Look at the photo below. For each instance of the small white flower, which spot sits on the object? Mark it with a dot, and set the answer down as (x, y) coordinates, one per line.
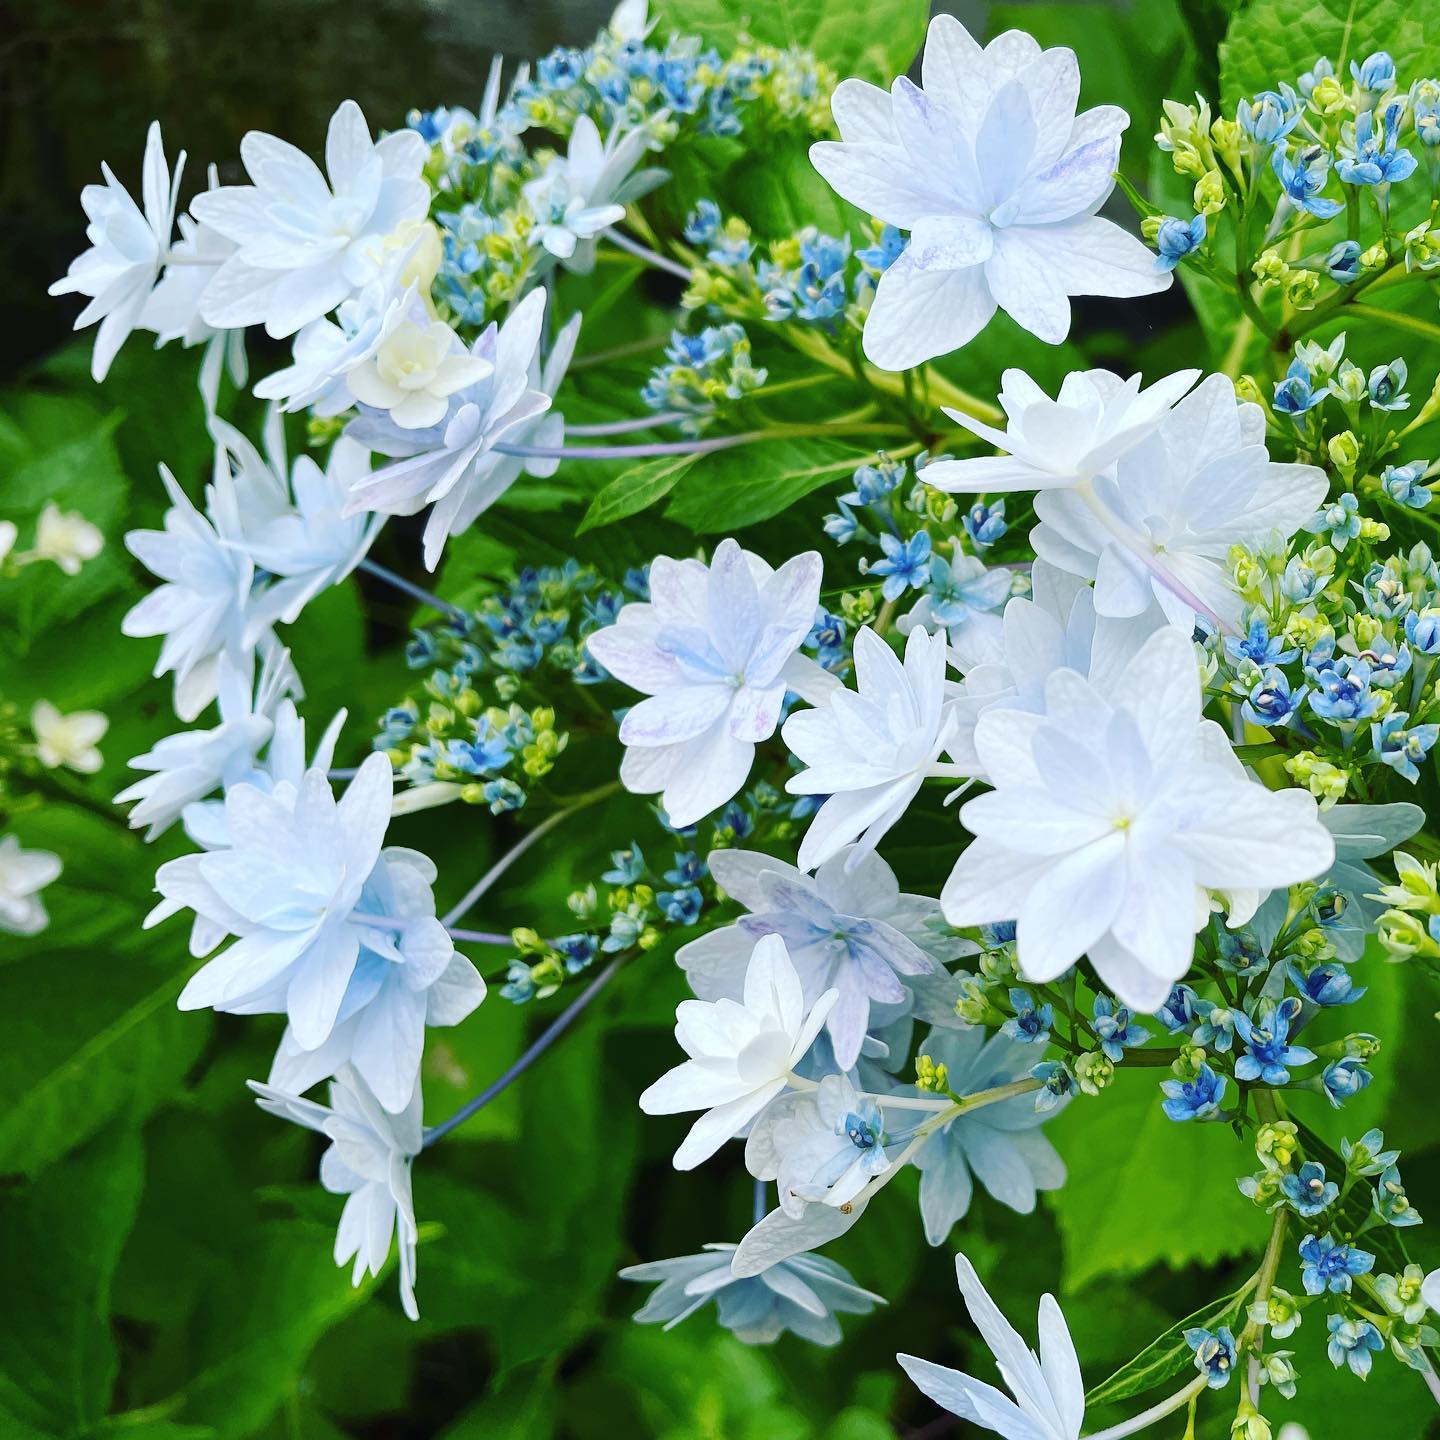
(1049, 1393)
(578, 195)
(821, 1147)
(1112, 816)
(871, 749)
(127, 248)
(203, 608)
(740, 1053)
(452, 466)
(23, 873)
(185, 768)
(630, 20)
(852, 931)
(369, 1161)
(714, 650)
(1051, 444)
(305, 243)
(70, 741)
(415, 370)
(311, 543)
(65, 538)
(998, 182)
(1160, 526)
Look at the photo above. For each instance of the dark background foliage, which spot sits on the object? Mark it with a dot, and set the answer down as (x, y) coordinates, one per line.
(164, 1250)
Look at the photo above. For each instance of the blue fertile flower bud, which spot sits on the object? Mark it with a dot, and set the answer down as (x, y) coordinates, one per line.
(1176, 239)
(1375, 73)
(1342, 264)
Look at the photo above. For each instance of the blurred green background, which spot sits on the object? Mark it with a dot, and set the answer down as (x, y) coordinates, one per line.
(165, 1267)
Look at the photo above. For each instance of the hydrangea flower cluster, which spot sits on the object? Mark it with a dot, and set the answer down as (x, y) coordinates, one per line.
(1156, 649)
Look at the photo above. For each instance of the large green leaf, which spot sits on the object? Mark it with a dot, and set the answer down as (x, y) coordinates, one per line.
(1163, 1193)
(637, 489)
(1270, 41)
(1168, 1354)
(876, 46)
(60, 1238)
(731, 489)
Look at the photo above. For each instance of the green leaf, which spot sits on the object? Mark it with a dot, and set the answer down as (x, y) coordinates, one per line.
(1119, 1218)
(637, 489)
(734, 488)
(1270, 41)
(60, 1239)
(1168, 1354)
(90, 1034)
(878, 46)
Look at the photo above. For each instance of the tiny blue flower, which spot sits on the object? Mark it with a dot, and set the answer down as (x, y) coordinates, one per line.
(1115, 1030)
(1351, 1343)
(1297, 393)
(1259, 645)
(1342, 691)
(1375, 73)
(1404, 483)
(1271, 702)
(702, 225)
(1325, 985)
(1216, 1030)
(906, 564)
(1368, 1155)
(1269, 116)
(1030, 1023)
(1057, 1084)
(1179, 1012)
(1308, 1191)
(578, 950)
(872, 483)
(681, 906)
(842, 527)
(1391, 1203)
(1194, 1099)
(1002, 932)
(1266, 1037)
(985, 524)
(1422, 630)
(687, 869)
(1386, 386)
(1344, 1078)
(1339, 521)
(885, 252)
(1214, 1354)
(1342, 264)
(1302, 177)
(1372, 154)
(1176, 239)
(626, 866)
(1326, 1264)
(1400, 748)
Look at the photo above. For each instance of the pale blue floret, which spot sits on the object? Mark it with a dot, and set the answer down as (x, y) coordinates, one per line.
(1269, 116)
(803, 1294)
(1196, 1099)
(1030, 1022)
(1214, 1354)
(1325, 985)
(1297, 393)
(1392, 1205)
(1266, 1037)
(1386, 386)
(1343, 1079)
(1302, 177)
(1272, 702)
(1400, 748)
(906, 564)
(1326, 1264)
(1115, 1029)
(1375, 73)
(1405, 484)
(1176, 239)
(1308, 1191)
(985, 524)
(1342, 264)
(1351, 1343)
(1373, 154)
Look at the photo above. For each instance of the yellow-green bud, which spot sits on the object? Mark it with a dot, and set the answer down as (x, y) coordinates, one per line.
(1277, 1143)
(1209, 194)
(1094, 1070)
(1344, 451)
(1329, 96)
(1302, 289)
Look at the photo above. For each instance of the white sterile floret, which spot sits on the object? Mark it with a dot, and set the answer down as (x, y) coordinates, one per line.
(997, 179)
(451, 465)
(204, 607)
(850, 930)
(741, 1053)
(185, 768)
(1112, 816)
(332, 931)
(871, 749)
(416, 368)
(128, 247)
(1051, 444)
(305, 242)
(1049, 1394)
(715, 649)
(23, 874)
(579, 194)
(66, 539)
(1159, 528)
(368, 1161)
(68, 741)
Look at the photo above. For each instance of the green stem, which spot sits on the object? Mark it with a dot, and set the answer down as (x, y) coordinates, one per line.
(1401, 321)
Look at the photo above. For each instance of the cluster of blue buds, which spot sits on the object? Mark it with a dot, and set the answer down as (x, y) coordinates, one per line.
(484, 717)
(810, 278)
(703, 373)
